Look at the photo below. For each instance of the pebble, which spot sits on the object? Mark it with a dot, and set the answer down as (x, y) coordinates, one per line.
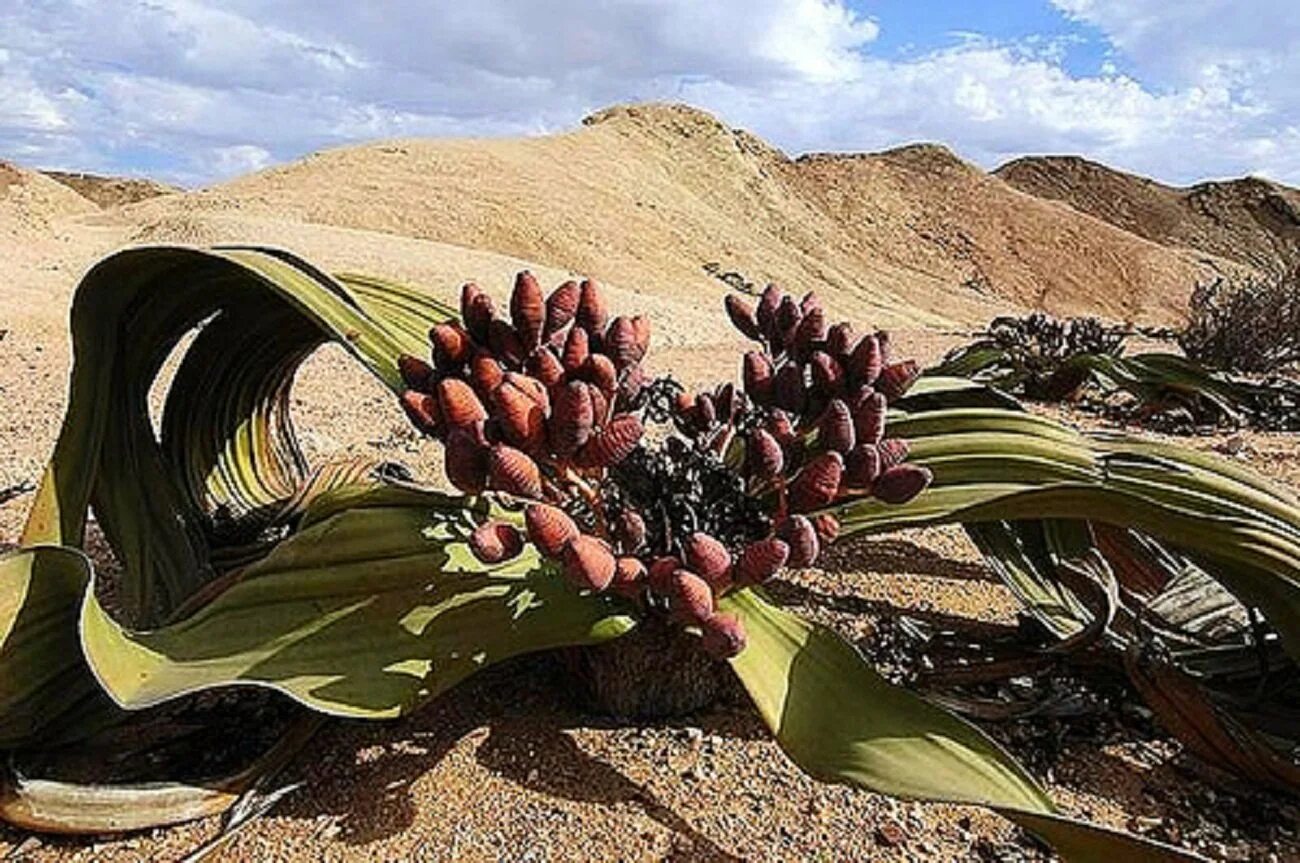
(890, 835)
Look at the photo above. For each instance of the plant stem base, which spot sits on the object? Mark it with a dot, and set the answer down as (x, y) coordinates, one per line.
(655, 672)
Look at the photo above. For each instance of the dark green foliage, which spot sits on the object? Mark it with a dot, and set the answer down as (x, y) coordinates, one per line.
(1253, 326)
(1082, 360)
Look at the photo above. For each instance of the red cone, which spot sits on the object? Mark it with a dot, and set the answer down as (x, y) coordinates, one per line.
(610, 445)
(895, 380)
(495, 541)
(708, 557)
(416, 373)
(761, 560)
(742, 317)
(901, 483)
(799, 534)
(459, 406)
(818, 484)
(549, 528)
(724, 636)
(588, 563)
(512, 471)
(835, 430)
(528, 310)
(561, 306)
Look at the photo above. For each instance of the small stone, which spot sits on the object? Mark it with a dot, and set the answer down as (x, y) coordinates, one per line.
(890, 835)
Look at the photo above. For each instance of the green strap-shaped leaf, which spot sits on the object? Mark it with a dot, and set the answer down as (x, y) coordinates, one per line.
(174, 511)
(860, 728)
(840, 721)
(228, 451)
(994, 465)
(44, 688)
(1026, 556)
(226, 431)
(367, 612)
(935, 389)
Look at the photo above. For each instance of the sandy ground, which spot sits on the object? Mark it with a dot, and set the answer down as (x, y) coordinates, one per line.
(509, 767)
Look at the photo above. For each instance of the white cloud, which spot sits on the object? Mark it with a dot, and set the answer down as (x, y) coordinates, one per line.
(1246, 53)
(1197, 40)
(239, 159)
(197, 90)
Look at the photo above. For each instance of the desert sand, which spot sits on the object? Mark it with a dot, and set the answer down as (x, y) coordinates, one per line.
(643, 198)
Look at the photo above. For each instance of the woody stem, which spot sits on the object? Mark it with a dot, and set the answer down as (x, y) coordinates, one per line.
(588, 493)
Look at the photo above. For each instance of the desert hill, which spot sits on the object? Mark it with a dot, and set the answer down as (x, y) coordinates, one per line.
(646, 196)
(926, 210)
(111, 191)
(659, 199)
(1251, 221)
(31, 203)
(40, 235)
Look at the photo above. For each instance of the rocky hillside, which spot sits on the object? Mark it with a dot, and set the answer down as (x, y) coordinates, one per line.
(1250, 221)
(111, 191)
(924, 209)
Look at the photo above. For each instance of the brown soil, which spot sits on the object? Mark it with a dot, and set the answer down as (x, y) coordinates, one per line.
(507, 767)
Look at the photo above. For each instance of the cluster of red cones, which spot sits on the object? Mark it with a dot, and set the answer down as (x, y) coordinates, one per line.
(522, 404)
(827, 391)
(548, 405)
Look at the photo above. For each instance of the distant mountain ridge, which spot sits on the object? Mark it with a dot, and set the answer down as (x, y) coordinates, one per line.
(653, 198)
(647, 195)
(1252, 221)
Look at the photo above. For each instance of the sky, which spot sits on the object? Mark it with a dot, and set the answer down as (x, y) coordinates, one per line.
(195, 91)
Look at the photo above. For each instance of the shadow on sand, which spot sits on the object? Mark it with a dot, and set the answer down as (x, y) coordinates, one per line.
(519, 715)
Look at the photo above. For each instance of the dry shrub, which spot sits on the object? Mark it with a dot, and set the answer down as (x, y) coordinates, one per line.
(1253, 326)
